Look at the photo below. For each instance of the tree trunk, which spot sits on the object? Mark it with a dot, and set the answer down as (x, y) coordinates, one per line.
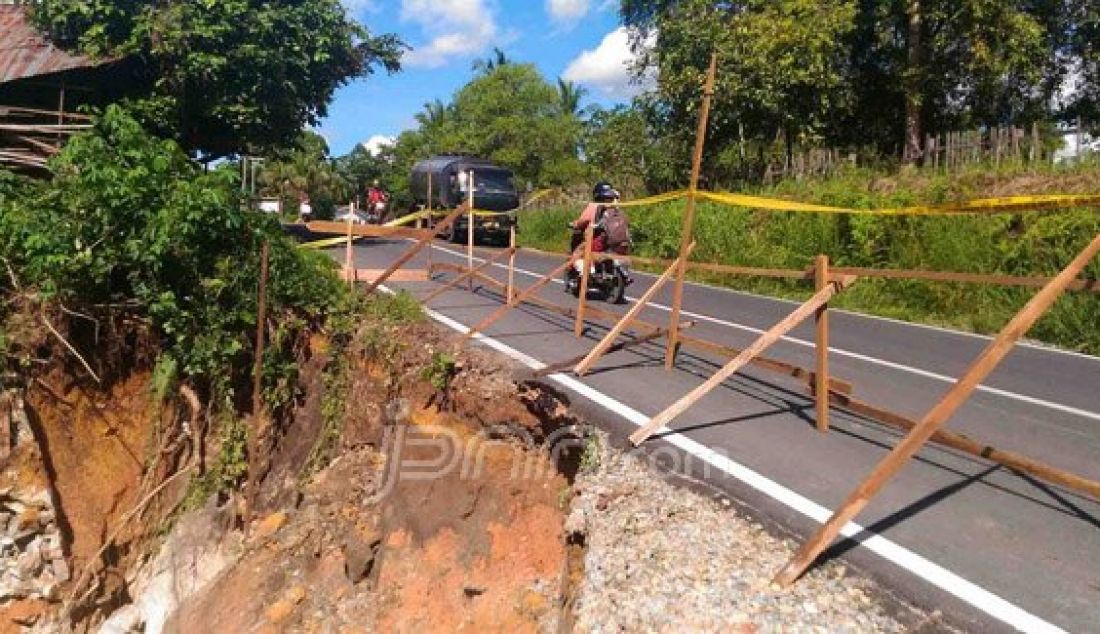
(914, 73)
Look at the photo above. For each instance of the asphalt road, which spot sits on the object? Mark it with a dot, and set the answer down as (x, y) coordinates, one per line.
(991, 549)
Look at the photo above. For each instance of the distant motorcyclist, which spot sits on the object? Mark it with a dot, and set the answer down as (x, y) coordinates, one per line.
(612, 232)
(376, 202)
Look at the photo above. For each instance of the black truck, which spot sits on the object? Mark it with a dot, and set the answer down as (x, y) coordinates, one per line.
(494, 191)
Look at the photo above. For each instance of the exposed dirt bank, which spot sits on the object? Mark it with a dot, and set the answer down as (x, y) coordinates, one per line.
(414, 489)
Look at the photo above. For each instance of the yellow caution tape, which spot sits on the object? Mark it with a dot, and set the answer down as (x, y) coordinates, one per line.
(535, 197)
(404, 220)
(325, 244)
(1011, 204)
(654, 200)
(773, 204)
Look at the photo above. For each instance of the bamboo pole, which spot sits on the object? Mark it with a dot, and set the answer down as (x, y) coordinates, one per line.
(582, 296)
(773, 335)
(994, 353)
(688, 230)
(601, 348)
(821, 379)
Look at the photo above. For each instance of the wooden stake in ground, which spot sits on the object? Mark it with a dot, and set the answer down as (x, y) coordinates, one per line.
(431, 221)
(467, 275)
(349, 264)
(821, 379)
(688, 231)
(519, 299)
(470, 228)
(257, 389)
(582, 295)
(425, 240)
(584, 367)
(511, 263)
(760, 345)
(994, 353)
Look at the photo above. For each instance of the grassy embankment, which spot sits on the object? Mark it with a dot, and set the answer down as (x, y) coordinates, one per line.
(1038, 243)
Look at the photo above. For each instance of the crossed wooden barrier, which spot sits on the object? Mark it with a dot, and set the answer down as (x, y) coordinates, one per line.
(827, 390)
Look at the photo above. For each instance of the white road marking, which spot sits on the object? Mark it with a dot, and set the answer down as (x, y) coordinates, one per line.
(902, 557)
(1023, 398)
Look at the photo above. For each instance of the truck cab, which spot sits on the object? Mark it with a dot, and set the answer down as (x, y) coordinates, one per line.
(450, 178)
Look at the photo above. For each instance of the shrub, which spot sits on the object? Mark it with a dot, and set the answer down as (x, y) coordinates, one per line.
(128, 222)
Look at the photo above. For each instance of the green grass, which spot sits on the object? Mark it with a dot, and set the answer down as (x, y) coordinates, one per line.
(1026, 244)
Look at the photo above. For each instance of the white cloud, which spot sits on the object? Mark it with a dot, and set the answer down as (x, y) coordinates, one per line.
(375, 144)
(457, 29)
(567, 12)
(607, 68)
(359, 7)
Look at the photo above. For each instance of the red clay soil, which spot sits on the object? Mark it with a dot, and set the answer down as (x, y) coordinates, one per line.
(96, 447)
(484, 553)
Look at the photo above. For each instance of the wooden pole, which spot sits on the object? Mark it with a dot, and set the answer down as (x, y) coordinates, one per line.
(562, 366)
(349, 263)
(425, 240)
(431, 223)
(821, 379)
(601, 348)
(760, 345)
(470, 228)
(257, 389)
(976, 448)
(466, 275)
(511, 263)
(1080, 138)
(582, 296)
(994, 353)
(688, 230)
(519, 299)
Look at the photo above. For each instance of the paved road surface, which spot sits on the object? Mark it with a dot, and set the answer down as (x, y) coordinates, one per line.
(988, 547)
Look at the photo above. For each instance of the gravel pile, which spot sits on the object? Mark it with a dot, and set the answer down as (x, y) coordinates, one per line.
(663, 558)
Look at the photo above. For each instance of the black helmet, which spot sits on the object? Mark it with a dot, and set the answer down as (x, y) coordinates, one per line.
(603, 192)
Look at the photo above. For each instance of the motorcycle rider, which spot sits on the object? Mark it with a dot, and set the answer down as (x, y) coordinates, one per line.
(376, 200)
(597, 214)
(603, 194)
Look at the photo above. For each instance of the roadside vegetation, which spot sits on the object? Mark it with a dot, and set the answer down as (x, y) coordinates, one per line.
(1026, 244)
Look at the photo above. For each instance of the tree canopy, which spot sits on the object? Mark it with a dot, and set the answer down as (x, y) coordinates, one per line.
(507, 113)
(225, 77)
(872, 73)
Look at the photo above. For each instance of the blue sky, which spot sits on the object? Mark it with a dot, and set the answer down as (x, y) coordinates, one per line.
(578, 39)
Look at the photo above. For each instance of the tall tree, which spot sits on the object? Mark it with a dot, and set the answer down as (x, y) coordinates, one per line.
(510, 115)
(915, 70)
(231, 76)
(570, 95)
(497, 59)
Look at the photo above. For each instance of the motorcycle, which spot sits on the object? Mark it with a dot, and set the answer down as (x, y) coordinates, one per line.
(376, 213)
(609, 276)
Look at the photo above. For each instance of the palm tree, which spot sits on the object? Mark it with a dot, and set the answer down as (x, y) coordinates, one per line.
(486, 66)
(570, 95)
(434, 112)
